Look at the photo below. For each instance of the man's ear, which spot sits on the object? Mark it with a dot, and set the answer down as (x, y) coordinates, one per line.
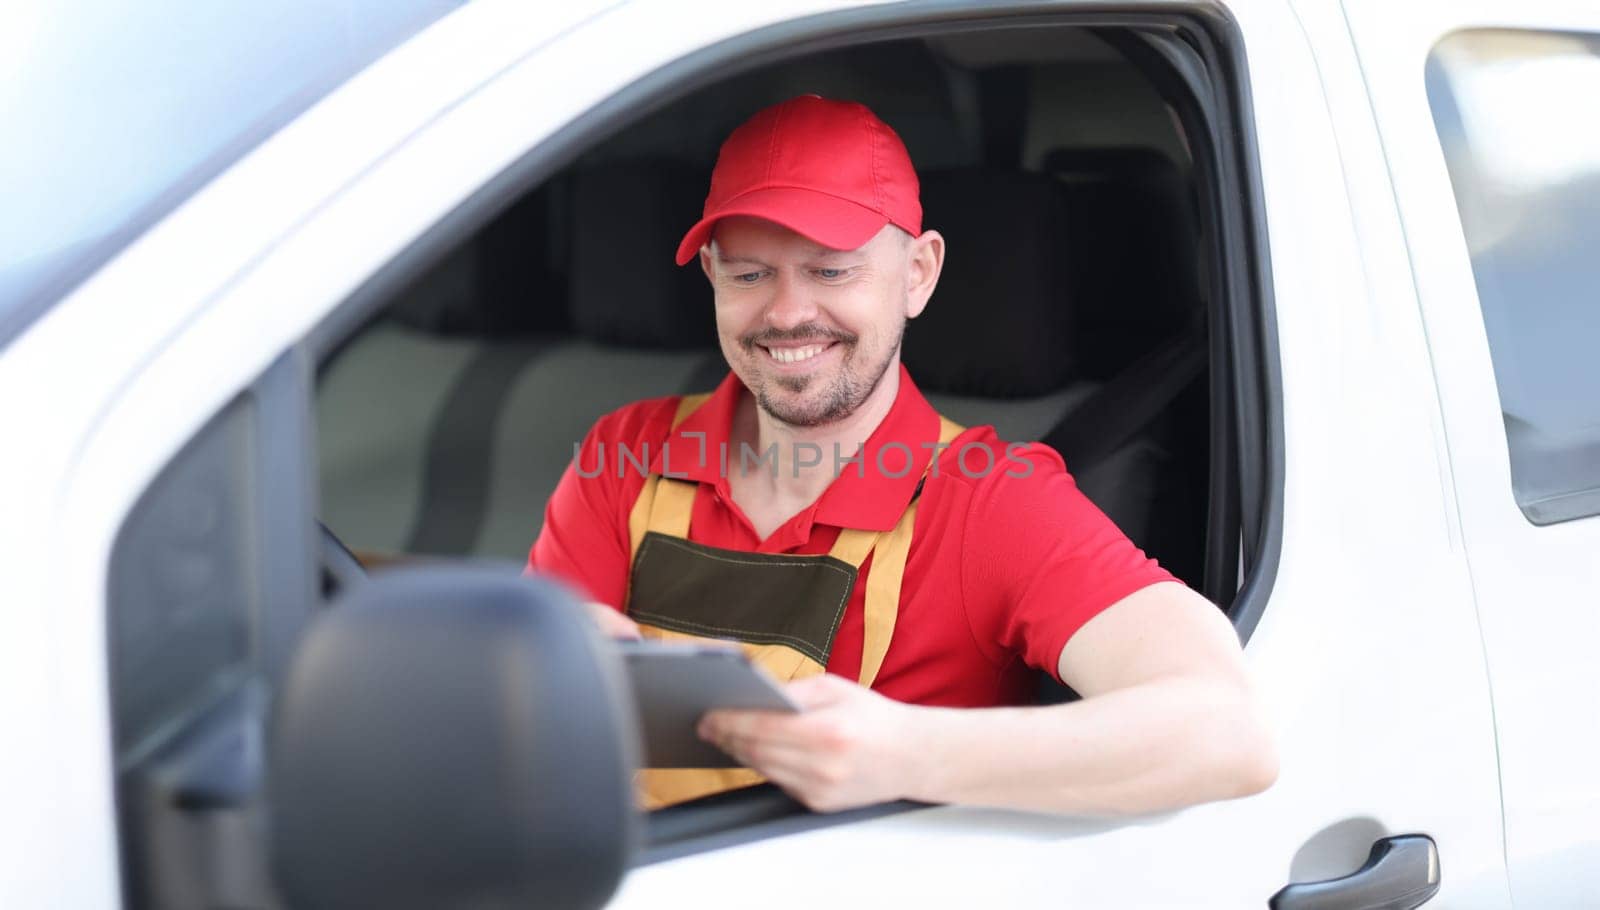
(705, 261)
(924, 260)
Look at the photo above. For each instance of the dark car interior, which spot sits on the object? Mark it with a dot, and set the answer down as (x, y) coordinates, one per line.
(1070, 309)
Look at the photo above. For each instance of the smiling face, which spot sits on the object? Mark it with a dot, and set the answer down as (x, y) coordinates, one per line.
(812, 331)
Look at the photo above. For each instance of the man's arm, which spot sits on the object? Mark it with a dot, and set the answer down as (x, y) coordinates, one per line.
(1168, 719)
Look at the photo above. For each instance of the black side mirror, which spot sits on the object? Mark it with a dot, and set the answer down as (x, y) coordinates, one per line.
(452, 737)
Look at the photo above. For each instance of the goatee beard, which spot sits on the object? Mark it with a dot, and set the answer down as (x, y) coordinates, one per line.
(843, 396)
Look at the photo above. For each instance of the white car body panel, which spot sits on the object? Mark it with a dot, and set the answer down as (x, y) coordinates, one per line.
(1370, 651)
(1536, 586)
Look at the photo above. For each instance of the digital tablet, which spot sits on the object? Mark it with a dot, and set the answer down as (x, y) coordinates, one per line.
(675, 684)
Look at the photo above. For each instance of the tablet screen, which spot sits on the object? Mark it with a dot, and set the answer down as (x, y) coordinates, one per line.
(675, 684)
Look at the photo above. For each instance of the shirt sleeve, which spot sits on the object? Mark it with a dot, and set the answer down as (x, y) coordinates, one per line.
(1040, 559)
(584, 542)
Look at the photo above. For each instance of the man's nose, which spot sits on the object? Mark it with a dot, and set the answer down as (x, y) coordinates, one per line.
(791, 304)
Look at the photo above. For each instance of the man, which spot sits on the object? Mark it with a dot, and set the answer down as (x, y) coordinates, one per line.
(816, 509)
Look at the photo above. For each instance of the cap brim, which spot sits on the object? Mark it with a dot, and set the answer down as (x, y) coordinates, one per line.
(835, 223)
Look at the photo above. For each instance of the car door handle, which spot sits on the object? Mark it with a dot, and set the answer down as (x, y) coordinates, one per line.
(1400, 873)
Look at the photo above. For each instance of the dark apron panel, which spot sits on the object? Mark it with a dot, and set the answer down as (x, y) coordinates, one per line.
(756, 598)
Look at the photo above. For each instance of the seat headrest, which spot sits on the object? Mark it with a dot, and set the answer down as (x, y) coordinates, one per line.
(1135, 234)
(1000, 324)
(627, 219)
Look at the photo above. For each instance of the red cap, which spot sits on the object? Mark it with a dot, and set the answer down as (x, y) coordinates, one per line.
(828, 170)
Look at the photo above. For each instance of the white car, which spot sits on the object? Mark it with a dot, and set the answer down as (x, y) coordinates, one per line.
(1304, 289)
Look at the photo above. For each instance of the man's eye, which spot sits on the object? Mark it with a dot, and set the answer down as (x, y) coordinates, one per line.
(830, 273)
(747, 278)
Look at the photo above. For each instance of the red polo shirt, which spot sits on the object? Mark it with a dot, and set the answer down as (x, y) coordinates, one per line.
(1008, 559)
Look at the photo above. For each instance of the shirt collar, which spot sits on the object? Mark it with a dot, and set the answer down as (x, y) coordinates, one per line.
(869, 494)
(693, 450)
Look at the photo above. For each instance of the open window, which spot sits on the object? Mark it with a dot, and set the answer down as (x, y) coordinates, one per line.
(1105, 291)
(1096, 296)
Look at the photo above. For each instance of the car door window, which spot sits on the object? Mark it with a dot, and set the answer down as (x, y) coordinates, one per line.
(1524, 161)
(181, 590)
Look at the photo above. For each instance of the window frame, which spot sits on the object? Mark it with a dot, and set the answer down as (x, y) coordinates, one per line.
(1202, 48)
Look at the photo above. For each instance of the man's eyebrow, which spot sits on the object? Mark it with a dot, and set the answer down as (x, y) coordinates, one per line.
(819, 256)
(723, 259)
(825, 256)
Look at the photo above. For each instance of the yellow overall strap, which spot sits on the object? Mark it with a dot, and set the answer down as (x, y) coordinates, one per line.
(664, 505)
(889, 551)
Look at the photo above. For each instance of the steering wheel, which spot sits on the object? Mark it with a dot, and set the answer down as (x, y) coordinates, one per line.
(341, 571)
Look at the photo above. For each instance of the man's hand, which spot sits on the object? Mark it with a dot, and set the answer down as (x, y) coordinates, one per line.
(849, 747)
(1168, 719)
(611, 622)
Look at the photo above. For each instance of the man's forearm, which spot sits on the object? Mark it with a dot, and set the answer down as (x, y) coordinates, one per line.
(1171, 721)
(1163, 744)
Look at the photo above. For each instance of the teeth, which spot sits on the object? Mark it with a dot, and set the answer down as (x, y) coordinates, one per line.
(796, 355)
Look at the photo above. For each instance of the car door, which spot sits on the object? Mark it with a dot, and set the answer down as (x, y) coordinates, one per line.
(1368, 650)
(1486, 115)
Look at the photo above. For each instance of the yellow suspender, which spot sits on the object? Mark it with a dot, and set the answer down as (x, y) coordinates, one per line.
(888, 570)
(665, 506)
(677, 499)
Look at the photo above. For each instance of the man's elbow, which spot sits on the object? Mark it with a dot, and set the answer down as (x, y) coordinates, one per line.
(1256, 771)
(1249, 759)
